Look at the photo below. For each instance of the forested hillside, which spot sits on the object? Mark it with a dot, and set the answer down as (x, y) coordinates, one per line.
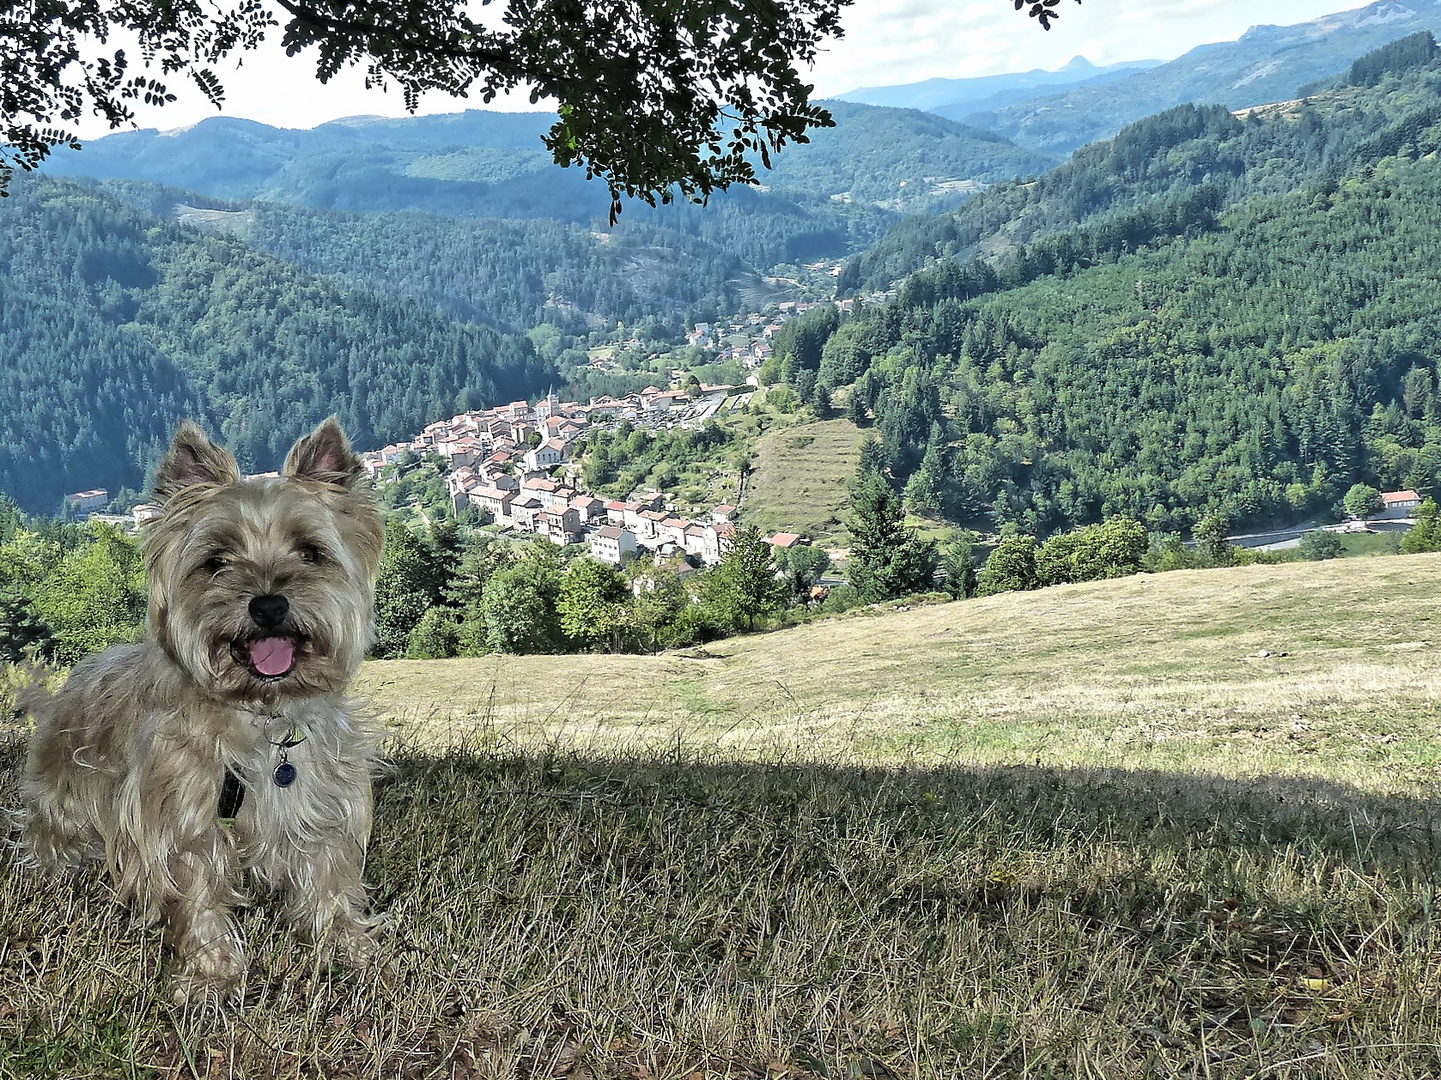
(1247, 323)
(476, 164)
(118, 319)
(1185, 156)
(512, 274)
(115, 323)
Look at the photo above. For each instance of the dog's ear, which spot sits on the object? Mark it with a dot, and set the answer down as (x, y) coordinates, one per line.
(325, 455)
(193, 459)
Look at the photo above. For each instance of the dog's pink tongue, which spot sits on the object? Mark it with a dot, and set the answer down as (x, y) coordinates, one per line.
(272, 655)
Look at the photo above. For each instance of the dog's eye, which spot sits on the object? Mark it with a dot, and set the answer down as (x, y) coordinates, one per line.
(215, 564)
(309, 553)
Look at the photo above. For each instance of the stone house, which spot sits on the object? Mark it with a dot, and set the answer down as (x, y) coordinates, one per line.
(612, 544)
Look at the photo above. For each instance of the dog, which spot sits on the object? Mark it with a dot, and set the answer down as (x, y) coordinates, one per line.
(224, 741)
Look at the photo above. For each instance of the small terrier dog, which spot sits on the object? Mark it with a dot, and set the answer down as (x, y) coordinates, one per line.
(224, 740)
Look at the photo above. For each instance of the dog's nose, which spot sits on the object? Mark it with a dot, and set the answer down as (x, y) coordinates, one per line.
(269, 611)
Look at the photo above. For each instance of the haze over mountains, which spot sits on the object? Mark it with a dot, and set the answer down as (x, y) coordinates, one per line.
(1266, 64)
(853, 178)
(957, 97)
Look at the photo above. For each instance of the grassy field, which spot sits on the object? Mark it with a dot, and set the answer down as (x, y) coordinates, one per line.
(1180, 826)
(1370, 543)
(799, 480)
(1254, 670)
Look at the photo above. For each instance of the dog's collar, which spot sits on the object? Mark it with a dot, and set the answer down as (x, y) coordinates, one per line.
(232, 794)
(232, 788)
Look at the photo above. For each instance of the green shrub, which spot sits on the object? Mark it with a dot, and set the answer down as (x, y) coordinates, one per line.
(1011, 567)
(1321, 544)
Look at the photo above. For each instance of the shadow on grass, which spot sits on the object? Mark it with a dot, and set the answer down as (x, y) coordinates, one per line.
(565, 915)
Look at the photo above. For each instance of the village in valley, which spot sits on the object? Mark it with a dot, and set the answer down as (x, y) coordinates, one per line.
(516, 464)
(512, 463)
(516, 467)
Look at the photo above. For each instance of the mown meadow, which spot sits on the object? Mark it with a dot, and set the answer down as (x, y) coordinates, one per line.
(1170, 825)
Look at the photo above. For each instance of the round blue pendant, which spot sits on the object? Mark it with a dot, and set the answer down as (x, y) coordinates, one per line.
(284, 774)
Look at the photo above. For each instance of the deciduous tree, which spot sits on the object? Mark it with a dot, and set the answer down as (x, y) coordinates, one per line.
(1212, 536)
(1113, 549)
(1319, 544)
(1011, 567)
(660, 600)
(519, 605)
(436, 636)
(592, 604)
(1364, 501)
(803, 566)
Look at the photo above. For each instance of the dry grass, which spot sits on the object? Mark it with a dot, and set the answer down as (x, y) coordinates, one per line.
(800, 477)
(1156, 671)
(832, 852)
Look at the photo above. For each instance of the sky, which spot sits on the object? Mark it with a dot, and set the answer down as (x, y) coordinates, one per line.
(887, 42)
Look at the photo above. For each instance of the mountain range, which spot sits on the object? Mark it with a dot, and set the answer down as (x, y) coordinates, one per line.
(958, 97)
(1206, 311)
(1266, 64)
(832, 195)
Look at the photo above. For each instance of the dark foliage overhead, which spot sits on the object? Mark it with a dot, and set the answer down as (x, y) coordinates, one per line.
(656, 97)
(651, 95)
(1043, 11)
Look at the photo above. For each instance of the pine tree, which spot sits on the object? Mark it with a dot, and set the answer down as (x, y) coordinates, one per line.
(958, 563)
(23, 634)
(856, 407)
(821, 401)
(405, 590)
(887, 558)
(744, 587)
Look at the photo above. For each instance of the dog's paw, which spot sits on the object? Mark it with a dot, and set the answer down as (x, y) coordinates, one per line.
(210, 976)
(190, 991)
(353, 940)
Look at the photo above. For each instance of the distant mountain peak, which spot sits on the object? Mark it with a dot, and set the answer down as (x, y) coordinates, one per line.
(1078, 63)
(1267, 63)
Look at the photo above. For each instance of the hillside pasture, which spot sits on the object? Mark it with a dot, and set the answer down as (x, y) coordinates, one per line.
(1300, 668)
(1180, 826)
(798, 481)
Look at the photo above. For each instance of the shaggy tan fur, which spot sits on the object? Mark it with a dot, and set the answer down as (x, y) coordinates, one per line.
(129, 756)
